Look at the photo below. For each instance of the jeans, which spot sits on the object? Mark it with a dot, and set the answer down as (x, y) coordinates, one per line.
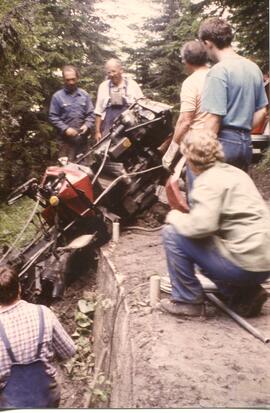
(19, 394)
(237, 147)
(183, 253)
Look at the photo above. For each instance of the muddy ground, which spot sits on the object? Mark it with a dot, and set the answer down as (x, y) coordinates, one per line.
(205, 362)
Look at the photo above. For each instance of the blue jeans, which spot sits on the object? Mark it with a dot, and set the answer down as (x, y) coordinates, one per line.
(237, 147)
(182, 253)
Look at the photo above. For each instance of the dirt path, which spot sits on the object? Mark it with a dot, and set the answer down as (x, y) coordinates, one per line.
(188, 362)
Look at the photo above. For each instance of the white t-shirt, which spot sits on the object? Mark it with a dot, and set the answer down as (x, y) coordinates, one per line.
(190, 96)
(130, 90)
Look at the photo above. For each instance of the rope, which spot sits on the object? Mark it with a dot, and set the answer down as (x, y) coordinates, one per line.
(122, 177)
(137, 228)
(103, 162)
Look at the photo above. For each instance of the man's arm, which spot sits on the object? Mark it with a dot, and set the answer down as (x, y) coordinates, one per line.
(100, 107)
(204, 216)
(259, 117)
(182, 126)
(214, 99)
(54, 115)
(137, 91)
(63, 344)
(98, 128)
(89, 115)
(212, 122)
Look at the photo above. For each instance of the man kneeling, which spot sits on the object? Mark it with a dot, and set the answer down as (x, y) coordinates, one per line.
(226, 233)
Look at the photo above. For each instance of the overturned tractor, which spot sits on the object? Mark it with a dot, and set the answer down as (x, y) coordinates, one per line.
(77, 203)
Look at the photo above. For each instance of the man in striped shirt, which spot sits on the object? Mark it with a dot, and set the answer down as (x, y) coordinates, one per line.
(32, 333)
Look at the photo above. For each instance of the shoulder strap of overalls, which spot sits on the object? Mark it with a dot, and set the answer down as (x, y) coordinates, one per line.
(6, 343)
(41, 330)
(125, 86)
(40, 336)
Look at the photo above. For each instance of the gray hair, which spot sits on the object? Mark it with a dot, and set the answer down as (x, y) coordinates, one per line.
(194, 53)
(115, 62)
(202, 149)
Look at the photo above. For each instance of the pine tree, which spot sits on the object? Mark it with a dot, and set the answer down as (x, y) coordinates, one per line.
(36, 38)
(158, 64)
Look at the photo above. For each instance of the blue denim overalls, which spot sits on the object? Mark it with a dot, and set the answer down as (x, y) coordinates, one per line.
(28, 384)
(112, 110)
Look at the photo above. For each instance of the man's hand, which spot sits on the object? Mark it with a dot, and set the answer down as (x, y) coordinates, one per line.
(170, 154)
(83, 129)
(71, 132)
(98, 136)
(173, 218)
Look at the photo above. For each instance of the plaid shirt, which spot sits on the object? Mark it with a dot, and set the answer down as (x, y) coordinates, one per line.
(21, 323)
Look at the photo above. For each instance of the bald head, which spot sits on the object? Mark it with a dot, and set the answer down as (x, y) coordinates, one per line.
(113, 63)
(114, 71)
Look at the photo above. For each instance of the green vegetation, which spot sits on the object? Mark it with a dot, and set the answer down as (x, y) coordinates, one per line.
(251, 21)
(264, 165)
(12, 220)
(37, 37)
(158, 65)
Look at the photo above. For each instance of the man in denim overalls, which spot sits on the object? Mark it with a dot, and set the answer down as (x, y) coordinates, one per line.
(30, 337)
(115, 95)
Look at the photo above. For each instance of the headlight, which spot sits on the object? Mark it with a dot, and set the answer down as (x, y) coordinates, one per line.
(54, 200)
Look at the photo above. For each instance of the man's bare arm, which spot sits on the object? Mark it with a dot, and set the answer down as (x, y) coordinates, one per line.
(259, 117)
(182, 125)
(98, 128)
(212, 122)
(181, 128)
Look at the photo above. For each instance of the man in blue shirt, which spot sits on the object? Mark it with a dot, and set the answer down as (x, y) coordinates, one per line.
(233, 95)
(72, 113)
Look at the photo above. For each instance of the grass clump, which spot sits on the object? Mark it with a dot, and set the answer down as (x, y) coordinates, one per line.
(12, 220)
(265, 162)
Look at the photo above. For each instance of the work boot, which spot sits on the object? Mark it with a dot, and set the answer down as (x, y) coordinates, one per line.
(250, 301)
(182, 309)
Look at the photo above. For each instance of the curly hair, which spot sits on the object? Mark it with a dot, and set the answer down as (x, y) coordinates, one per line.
(9, 285)
(217, 31)
(202, 149)
(194, 53)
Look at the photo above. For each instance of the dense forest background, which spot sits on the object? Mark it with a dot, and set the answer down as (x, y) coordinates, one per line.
(38, 36)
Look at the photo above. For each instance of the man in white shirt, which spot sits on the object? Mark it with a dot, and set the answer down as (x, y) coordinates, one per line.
(194, 57)
(115, 95)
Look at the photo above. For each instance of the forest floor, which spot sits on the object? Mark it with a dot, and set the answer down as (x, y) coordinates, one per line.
(193, 363)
